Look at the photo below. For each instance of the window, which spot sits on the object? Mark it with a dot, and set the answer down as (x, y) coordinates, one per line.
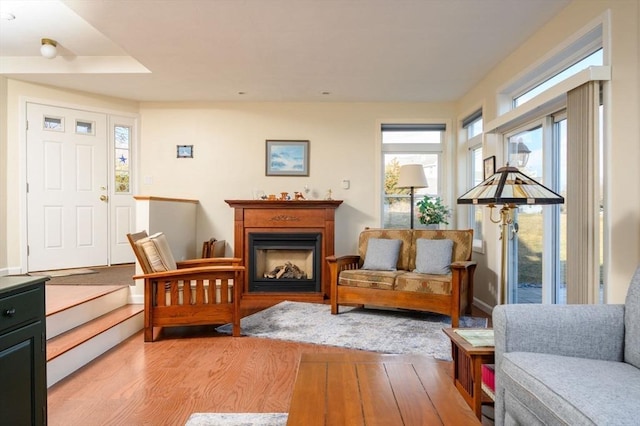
(85, 127)
(566, 59)
(122, 137)
(593, 59)
(409, 144)
(473, 127)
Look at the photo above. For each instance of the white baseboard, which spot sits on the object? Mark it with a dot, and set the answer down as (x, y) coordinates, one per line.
(482, 306)
(10, 271)
(136, 299)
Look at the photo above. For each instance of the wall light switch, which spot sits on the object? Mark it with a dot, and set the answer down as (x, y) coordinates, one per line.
(346, 184)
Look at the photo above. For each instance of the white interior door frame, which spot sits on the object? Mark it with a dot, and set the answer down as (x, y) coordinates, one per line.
(22, 163)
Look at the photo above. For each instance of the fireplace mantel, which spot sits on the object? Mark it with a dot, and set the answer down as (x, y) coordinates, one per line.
(252, 216)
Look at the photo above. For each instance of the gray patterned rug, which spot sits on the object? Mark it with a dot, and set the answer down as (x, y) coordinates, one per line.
(385, 331)
(237, 419)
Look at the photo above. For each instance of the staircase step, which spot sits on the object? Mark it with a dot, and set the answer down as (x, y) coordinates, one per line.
(70, 306)
(75, 337)
(75, 348)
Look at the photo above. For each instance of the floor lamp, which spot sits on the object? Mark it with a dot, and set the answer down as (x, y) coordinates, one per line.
(412, 176)
(510, 188)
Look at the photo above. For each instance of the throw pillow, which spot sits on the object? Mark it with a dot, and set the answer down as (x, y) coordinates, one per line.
(158, 253)
(382, 254)
(433, 256)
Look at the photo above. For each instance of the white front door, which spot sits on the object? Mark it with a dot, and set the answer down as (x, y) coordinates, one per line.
(67, 192)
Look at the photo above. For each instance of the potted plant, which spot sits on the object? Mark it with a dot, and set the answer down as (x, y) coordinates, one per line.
(431, 211)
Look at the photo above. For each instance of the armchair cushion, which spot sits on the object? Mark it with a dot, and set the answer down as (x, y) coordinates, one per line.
(382, 254)
(369, 278)
(556, 389)
(433, 256)
(158, 253)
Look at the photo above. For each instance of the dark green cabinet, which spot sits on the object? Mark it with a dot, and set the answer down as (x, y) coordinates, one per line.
(23, 369)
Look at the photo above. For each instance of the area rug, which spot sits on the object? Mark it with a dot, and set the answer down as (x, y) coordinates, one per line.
(375, 330)
(237, 419)
(64, 272)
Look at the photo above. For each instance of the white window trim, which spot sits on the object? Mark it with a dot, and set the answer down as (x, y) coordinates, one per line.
(548, 101)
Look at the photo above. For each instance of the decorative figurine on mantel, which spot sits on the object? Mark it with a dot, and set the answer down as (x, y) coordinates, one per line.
(328, 196)
(298, 196)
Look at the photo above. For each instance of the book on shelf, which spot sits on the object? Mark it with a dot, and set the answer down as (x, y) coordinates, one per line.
(489, 380)
(477, 337)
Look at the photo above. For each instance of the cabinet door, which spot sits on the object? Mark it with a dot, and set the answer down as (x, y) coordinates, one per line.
(23, 376)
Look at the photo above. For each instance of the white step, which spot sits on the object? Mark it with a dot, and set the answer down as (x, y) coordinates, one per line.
(76, 305)
(95, 320)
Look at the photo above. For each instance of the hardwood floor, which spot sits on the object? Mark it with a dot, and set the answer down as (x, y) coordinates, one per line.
(164, 382)
(191, 370)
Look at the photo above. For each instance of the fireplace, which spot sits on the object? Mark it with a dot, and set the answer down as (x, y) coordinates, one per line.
(284, 262)
(309, 231)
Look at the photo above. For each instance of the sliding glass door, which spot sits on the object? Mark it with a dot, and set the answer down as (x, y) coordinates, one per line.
(537, 243)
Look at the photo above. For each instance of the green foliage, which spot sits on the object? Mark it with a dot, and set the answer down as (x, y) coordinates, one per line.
(391, 176)
(431, 211)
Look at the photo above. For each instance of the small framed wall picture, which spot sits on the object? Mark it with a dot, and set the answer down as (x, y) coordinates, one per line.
(287, 158)
(184, 151)
(489, 167)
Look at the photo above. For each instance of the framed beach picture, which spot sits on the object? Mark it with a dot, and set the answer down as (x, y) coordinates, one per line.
(184, 151)
(287, 158)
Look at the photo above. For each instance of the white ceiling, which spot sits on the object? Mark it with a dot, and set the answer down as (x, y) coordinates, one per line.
(271, 50)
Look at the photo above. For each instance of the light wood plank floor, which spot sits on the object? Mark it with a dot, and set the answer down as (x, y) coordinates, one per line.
(195, 369)
(163, 382)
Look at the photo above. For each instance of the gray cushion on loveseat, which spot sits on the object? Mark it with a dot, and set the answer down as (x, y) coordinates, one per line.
(574, 391)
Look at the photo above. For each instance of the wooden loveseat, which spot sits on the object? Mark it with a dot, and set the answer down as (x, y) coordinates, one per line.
(448, 291)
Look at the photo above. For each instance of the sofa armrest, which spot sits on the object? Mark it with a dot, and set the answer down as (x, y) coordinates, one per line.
(463, 264)
(585, 331)
(208, 261)
(337, 265)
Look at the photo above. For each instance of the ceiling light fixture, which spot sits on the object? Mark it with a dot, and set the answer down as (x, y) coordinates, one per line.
(49, 48)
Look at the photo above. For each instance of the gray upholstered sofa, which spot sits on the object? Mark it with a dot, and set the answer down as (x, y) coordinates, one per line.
(569, 364)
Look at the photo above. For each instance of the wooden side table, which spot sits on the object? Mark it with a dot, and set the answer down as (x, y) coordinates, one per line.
(467, 369)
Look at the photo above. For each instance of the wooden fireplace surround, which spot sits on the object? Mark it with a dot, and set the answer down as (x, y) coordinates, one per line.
(287, 217)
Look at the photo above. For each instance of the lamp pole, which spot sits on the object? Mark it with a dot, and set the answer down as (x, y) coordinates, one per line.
(505, 219)
(411, 209)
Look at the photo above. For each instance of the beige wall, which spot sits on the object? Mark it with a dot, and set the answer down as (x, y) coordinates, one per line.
(229, 156)
(622, 140)
(3, 174)
(17, 92)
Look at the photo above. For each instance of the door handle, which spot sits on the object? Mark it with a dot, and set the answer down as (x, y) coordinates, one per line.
(104, 198)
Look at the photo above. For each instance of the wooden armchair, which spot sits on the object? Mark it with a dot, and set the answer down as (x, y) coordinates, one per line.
(191, 292)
